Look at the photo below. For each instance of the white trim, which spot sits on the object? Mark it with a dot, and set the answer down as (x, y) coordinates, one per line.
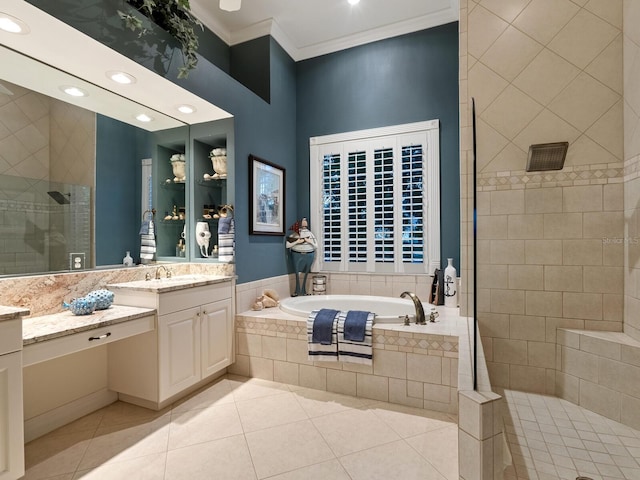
(388, 31)
(47, 422)
(337, 143)
(376, 132)
(270, 27)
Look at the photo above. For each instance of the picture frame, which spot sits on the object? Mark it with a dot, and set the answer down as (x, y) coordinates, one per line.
(266, 197)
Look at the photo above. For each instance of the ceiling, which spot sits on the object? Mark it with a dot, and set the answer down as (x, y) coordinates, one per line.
(309, 28)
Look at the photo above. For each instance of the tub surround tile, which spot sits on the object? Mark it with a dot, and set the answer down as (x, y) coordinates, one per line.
(417, 353)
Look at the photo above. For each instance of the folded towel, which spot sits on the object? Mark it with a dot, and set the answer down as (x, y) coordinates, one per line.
(144, 228)
(323, 326)
(148, 244)
(355, 352)
(226, 247)
(318, 351)
(355, 324)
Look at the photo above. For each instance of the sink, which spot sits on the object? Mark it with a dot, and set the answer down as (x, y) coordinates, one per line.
(176, 282)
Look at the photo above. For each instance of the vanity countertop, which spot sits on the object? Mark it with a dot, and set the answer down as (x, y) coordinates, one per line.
(48, 327)
(179, 282)
(10, 313)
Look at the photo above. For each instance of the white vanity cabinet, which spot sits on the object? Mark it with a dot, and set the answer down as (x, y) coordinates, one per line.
(11, 417)
(193, 345)
(193, 341)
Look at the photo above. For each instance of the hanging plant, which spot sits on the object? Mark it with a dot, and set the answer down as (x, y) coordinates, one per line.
(175, 17)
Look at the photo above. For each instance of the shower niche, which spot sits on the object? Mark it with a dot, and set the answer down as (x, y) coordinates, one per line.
(189, 207)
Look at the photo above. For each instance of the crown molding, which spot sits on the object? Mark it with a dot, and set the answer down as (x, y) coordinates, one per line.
(388, 31)
(271, 27)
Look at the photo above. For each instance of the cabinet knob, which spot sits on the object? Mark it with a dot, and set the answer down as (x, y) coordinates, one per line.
(204, 312)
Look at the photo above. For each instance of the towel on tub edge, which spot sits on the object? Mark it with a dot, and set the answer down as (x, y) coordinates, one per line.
(322, 335)
(352, 351)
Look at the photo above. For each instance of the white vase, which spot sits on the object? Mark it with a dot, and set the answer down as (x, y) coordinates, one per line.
(450, 285)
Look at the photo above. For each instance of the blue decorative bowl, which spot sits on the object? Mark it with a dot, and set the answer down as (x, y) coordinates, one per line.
(103, 298)
(81, 306)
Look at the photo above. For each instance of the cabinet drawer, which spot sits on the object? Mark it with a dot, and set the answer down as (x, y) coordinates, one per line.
(189, 297)
(42, 351)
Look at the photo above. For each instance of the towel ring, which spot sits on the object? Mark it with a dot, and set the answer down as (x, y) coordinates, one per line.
(152, 212)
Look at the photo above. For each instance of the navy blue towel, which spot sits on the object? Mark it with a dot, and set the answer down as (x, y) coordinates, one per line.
(144, 228)
(354, 325)
(323, 326)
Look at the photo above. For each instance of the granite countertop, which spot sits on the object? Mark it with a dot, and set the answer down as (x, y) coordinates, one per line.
(48, 327)
(164, 285)
(11, 313)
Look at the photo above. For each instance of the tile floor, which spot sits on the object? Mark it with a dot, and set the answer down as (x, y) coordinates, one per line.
(551, 438)
(239, 428)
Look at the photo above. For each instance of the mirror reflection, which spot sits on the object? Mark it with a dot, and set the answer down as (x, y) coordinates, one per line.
(64, 169)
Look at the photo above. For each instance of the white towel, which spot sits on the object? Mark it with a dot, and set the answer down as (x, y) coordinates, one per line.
(148, 244)
(355, 352)
(318, 352)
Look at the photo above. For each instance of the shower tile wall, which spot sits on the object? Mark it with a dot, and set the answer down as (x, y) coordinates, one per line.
(24, 133)
(43, 139)
(550, 244)
(631, 45)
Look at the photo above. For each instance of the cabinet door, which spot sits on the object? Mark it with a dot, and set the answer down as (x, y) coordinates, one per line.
(216, 336)
(179, 352)
(11, 417)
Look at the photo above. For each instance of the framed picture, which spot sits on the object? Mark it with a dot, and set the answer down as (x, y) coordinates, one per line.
(266, 197)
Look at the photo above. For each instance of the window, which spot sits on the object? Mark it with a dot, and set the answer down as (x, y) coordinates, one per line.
(375, 199)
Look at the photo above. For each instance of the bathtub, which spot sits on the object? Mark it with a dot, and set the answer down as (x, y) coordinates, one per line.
(387, 309)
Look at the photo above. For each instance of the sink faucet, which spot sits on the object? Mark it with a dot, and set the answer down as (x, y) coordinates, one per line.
(166, 271)
(420, 319)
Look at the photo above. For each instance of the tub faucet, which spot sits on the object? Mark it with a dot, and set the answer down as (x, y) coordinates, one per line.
(420, 319)
(166, 271)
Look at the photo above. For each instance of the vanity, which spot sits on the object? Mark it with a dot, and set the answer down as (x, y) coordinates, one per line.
(11, 430)
(193, 341)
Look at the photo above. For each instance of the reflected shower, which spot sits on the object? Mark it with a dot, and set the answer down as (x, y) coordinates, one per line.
(61, 198)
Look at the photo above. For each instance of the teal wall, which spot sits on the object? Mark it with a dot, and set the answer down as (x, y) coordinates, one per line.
(119, 149)
(404, 79)
(410, 78)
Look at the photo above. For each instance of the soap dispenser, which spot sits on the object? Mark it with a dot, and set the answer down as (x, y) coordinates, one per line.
(127, 261)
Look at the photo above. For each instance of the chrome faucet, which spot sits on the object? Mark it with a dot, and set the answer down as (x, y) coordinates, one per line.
(166, 271)
(420, 319)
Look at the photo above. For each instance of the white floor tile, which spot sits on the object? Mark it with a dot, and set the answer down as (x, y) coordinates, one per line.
(270, 411)
(354, 430)
(393, 460)
(53, 455)
(150, 467)
(125, 442)
(287, 447)
(440, 449)
(331, 470)
(221, 459)
(199, 426)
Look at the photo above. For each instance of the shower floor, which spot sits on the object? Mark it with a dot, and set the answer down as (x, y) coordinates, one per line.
(550, 438)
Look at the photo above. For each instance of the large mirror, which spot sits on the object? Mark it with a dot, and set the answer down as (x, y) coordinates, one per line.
(67, 171)
(72, 193)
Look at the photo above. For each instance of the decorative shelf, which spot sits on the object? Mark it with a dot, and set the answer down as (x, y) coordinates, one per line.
(171, 185)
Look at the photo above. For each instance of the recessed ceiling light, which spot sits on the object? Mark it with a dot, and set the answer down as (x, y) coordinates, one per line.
(73, 91)
(11, 24)
(353, 2)
(186, 108)
(230, 5)
(122, 78)
(143, 117)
